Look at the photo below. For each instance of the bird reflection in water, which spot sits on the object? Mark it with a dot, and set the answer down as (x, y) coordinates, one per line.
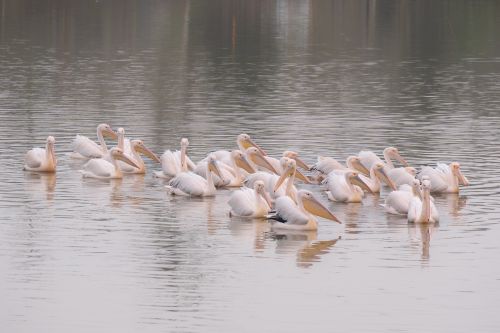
(351, 216)
(455, 203)
(425, 232)
(42, 183)
(313, 251)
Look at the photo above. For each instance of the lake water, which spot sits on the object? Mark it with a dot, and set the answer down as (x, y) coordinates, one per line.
(318, 77)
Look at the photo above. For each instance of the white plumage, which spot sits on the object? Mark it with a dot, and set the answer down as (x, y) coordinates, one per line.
(42, 159)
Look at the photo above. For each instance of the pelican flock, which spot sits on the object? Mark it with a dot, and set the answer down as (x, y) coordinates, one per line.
(268, 187)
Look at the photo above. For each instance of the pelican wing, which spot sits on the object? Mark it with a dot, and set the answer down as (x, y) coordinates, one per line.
(171, 163)
(34, 158)
(289, 211)
(400, 176)
(98, 168)
(326, 165)
(189, 183)
(368, 158)
(437, 178)
(86, 147)
(397, 202)
(242, 202)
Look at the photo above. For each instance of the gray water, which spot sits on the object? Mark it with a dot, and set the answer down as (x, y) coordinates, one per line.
(318, 77)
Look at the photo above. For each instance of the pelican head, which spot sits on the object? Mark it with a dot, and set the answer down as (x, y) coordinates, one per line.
(379, 169)
(241, 161)
(455, 169)
(295, 156)
(393, 152)
(118, 154)
(353, 178)
(107, 131)
(245, 141)
(213, 166)
(415, 187)
(255, 155)
(139, 146)
(184, 142)
(260, 188)
(51, 140)
(354, 162)
(314, 206)
(289, 168)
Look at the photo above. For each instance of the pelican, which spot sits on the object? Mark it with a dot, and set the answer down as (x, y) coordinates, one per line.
(325, 165)
(138, 148)
(398, 202)
(40, 159)
(100, 168)
(244, 141)
(299, 216)
(422, 210)
(291, 155)
(273, 182)
(189, 183)
(346, 187)
(368, 158)
(377, 174)
(401, 176)
(250, 202)
(231, 173)
(444, 178)
(85, 148)
(173, 163)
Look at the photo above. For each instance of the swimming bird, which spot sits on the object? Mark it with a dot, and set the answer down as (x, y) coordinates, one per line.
(232, 173)
(102, 169)
(398, 202)
(273, 182)
(291, 155)
(299, 216)
(85, 148)
(174, 163)
(377, 174)
(445, 178)
(40, 159)
(190, 184)
(401, 176)
(138, 148)
(249, 202)
(345, 187)
(423, 210)
(325, 165)
(368, 158)
(244, 141)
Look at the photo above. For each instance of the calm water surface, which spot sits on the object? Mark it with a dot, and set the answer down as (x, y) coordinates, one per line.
(317, 77)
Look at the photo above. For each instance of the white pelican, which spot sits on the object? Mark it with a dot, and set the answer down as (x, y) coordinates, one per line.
(377, 174)
(244, 142)
(398, 202)
(138, 148)
(250, 202)
(259, 161)
(401, 176)
(85, 148)
(232, 174)
(299, 216)
(40, 159)
(325, 165)
(444, 178)
(100, 168)
(422, 210)
(291, 155)
(273, 182)
(189, 183)
(345, 187)
(368, 158)
(173, 163)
